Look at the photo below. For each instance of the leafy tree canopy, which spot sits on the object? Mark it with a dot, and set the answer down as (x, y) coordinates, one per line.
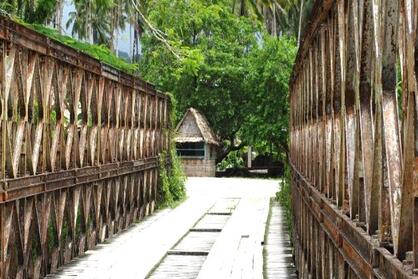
(229, 68)
(268, 114)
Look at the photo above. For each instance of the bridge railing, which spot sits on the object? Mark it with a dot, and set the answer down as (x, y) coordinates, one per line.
(354, 141)
(79, 151)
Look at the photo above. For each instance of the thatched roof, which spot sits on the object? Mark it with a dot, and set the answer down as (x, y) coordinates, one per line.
(194, 127)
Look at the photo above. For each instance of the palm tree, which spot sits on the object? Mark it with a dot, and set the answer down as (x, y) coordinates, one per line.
(59, 6)
(39, 11)
(137, 24)
(79, 19)
(279, 16)
(300, 21)
(121, 14)
(89, 20)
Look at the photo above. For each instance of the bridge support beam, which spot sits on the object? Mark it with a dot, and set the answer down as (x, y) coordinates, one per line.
(353, 140)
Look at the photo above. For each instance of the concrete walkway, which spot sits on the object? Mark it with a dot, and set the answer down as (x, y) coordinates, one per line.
(231, 241)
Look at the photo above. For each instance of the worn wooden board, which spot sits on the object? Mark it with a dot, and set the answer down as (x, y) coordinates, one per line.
(278, 257)
(179, 267)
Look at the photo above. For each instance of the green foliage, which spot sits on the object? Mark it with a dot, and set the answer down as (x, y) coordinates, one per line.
(7, 7)
(172, 176)
(279, 16)
(43, 12)
(52, 235)
(232, 160)
(214, 45)
(39, 11)
(270, 68)
(229, 69)
(91, 20)
(172, 179)
(99, 52)
(284, 195)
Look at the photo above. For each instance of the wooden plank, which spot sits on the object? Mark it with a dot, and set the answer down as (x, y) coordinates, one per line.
(278, 252)
(179, 267)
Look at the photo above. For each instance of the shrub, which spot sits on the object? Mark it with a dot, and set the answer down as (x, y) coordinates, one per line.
(233, 160)
(172, 179)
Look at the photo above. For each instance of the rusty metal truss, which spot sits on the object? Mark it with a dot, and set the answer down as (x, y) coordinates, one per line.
(79, 151)
(354, 141)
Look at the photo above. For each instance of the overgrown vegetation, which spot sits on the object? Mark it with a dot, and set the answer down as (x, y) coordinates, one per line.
(232, 160)
(99, 52)
(284, 196)
(172, 179)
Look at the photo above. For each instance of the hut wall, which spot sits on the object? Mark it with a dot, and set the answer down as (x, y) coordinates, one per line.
(199, 167)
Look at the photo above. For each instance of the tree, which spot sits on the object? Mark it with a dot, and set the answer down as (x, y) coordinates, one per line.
(214, 46)
(228, 68)
(279, 16)
(89, 20)
(58, 15)
(270, 69)
(32, 11)
(43, 12)
(121, 14)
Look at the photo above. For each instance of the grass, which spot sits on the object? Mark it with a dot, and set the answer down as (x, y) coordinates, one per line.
(99, 52)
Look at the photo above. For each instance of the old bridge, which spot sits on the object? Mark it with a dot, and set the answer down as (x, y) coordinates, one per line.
(354, 149)
(80, 158)
(80, 143)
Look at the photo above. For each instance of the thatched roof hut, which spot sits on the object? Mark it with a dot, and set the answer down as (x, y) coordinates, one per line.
(194, 127)
(196, 144)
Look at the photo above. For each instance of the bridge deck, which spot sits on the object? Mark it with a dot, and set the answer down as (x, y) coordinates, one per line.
(216, 233)
(278, 258)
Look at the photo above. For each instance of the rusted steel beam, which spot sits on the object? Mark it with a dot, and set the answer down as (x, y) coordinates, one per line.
(79, 151)
(357, 149)
(359, 250)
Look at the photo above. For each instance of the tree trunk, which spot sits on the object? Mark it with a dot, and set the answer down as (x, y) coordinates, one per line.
(300, 21)
(114, 30)
(265, 13)
(58, 15)
(115, 42)
(29, 10)
(242, 8)
(274, 22)
(233, 6)
(224, 153)
(130, 40)
(89, 24)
